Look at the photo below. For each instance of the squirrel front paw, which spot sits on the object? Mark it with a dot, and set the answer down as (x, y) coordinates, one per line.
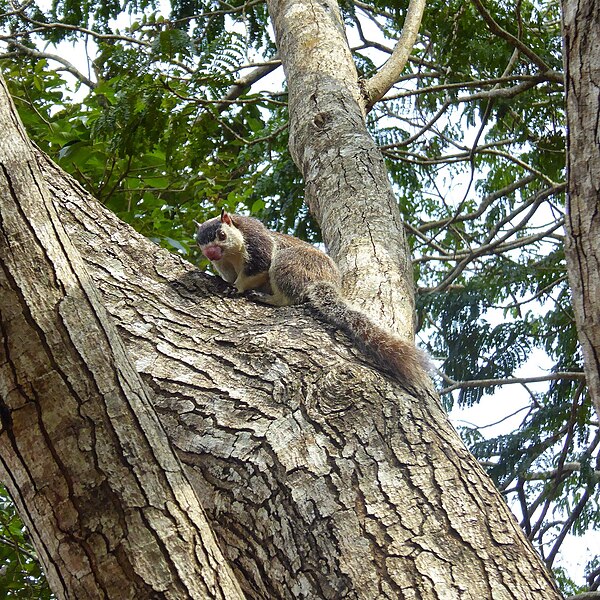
(255, 296)
(230, 292)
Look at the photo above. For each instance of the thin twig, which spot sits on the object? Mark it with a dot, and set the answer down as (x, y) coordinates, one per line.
(515, 42)
(459, 385)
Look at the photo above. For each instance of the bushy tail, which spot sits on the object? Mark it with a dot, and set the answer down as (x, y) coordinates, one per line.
(394, 355)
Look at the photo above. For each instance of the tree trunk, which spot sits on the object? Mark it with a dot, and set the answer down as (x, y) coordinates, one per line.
(104, 497)
(347, 188)
(321, 477)
(582, 74)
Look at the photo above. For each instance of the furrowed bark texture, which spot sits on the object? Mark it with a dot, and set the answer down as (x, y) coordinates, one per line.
(347, 188)
(582, 66)
(321, 477)
(81, 450)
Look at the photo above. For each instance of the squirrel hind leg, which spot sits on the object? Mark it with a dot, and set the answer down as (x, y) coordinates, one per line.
(295, 270)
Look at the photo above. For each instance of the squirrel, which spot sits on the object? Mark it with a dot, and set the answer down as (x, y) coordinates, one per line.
(281, 270)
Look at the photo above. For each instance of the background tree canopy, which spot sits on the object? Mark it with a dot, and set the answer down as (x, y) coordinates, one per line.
(166, 113)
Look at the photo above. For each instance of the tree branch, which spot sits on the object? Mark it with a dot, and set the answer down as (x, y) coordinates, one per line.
(501, 245)
(59, 59)
(573, 516)
(570, 467)
(109, 478)
(376, 87)
(534, 79)
(515, 42)
(569, 376)
(485, 203)
(240, 85)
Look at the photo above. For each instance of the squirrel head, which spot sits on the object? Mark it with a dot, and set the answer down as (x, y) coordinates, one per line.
(219, 238)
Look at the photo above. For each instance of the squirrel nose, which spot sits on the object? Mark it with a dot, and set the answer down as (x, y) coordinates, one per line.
(213, 252)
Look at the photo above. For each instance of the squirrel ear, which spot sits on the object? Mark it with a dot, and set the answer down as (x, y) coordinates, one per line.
(226, 217)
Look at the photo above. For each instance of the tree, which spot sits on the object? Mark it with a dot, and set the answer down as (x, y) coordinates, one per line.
(583, 222)
(281, 504)
(131, 153)
(83, 454)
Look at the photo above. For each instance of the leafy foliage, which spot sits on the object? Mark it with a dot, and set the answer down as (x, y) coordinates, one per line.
(20, 573)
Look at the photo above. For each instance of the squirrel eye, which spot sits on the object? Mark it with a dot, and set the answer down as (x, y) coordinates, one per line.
(221, 234)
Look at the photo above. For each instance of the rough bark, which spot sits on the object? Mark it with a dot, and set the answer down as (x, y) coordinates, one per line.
(347, 188)
(582, 68)
(321, 478)
(81, 450)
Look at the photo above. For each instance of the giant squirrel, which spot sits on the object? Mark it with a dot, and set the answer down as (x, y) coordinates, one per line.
(282, 270)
